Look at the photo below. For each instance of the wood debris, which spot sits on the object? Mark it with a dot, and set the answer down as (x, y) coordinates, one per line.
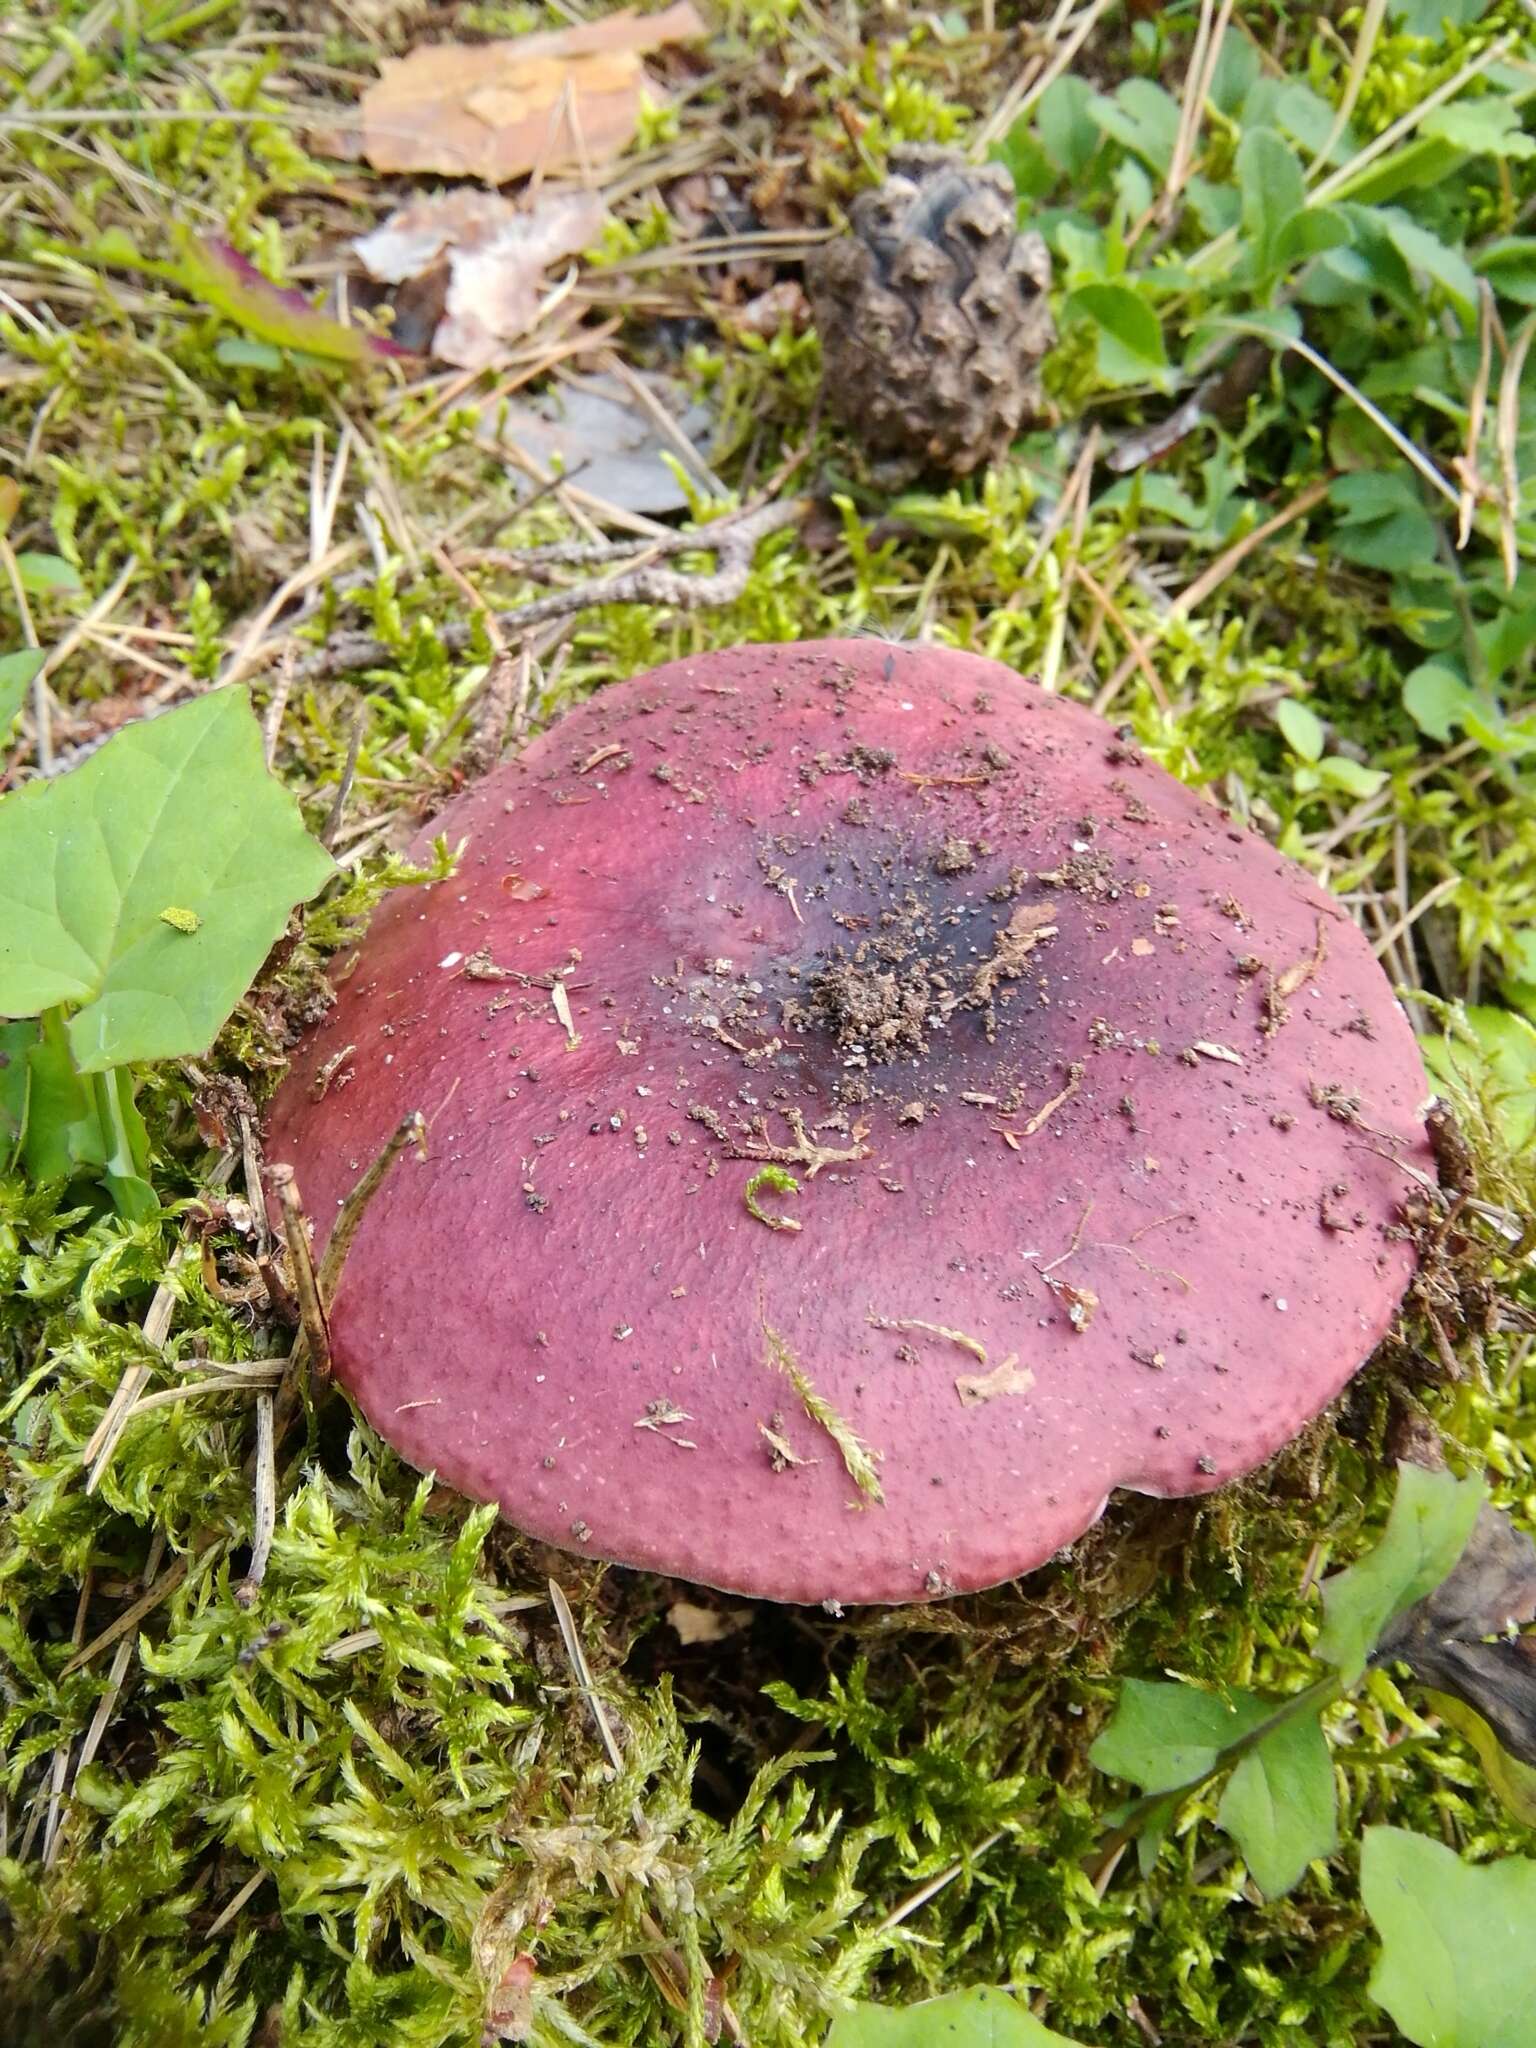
(1284, 985)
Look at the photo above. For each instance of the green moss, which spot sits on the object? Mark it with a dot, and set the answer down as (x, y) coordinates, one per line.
(344, 1815)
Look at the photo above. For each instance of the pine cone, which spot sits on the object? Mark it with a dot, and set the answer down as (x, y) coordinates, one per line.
(932, 312)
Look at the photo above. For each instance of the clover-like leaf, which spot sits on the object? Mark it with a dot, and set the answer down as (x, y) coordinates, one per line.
(1165, 1736)
(1431, 1519)
(1280, 1805)
(981, 2018)
(1130, 336)
(1458, 1962)
(179, 812)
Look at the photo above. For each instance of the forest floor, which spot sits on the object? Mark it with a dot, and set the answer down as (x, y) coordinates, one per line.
(1278, 516)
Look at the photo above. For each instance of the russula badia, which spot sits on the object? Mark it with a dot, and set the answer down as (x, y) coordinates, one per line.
(873, 1114)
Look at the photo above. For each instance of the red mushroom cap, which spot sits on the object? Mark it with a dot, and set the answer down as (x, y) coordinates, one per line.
(874, 1112)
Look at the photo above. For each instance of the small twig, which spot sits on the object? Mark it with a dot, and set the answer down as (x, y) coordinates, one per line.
(915, 1900)
(334, 817)
(42, 721)
(731, 541)
(1016, 104)
(582, 1672)
(1127, 632)
(97, 1455)
(506, 685)
(1372, 15)
(370, 1639)
(130, 1618)
(1466, 468)
(272, 724)
(411, 1130)
(264, 1511)
(241, 1899)
(313, 1332)
(1506, 429)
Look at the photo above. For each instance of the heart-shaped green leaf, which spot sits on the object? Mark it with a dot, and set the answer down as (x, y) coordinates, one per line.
(981, 2018)
(1458, 1962)
(177, 812)
(1427, 1530)
(1279, 1805)
(1164, 1736)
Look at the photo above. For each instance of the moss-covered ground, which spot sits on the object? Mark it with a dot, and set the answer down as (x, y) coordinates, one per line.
(373, 1806)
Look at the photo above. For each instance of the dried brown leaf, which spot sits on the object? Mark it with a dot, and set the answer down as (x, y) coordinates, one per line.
(496, 111)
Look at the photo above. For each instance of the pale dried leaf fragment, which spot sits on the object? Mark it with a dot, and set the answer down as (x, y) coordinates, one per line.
(1208, 1049)
(1284, 985)
(494, 256)
(496, 111)
(662, 1415)
(694, 1624)
(1008, 1377)
(562, 1003)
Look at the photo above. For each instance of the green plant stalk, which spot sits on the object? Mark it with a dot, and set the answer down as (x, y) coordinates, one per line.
(127, 1159)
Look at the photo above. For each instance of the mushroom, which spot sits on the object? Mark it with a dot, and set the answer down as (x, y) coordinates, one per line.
(874, 1112)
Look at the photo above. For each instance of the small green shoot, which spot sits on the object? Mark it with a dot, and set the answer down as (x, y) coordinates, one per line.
(859, 1461)
(783, 1183)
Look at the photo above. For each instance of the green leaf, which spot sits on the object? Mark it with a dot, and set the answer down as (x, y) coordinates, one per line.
(1021, 155)
(1312, 233)
(1280, 1807)
(1415, 166)
(1239, 68)
(16, 673)
(1130, 338)
(1458, 1957)
(1427, 1530)
(1486, 127)
(1274, 192)
(1491, 1052)
(1512, 1782)
(241, 354)
(40, 573)
(1437, 698)
(179, 812)
(1425, 252)
(1304, 731)
(1428, 17)
(1164, 1736)
(1510, 267)
(1068, 131)
(1299, 112)
(1353, 777)
(1381, 520)
(63, 1135)
(961, 2019)
(1143, 118)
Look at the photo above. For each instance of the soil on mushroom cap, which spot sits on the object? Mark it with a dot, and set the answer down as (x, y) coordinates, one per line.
(887, 997)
